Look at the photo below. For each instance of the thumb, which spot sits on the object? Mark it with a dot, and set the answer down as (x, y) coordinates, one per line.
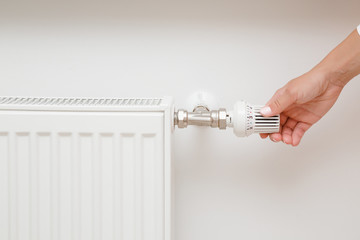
(281, 100)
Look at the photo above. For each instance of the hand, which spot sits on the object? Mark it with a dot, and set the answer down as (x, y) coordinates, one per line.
(306, 99)
(301, 102)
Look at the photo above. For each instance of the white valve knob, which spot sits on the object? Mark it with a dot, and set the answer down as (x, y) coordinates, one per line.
(246, 119)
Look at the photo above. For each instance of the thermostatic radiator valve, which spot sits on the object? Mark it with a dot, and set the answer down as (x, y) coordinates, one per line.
(245, 119)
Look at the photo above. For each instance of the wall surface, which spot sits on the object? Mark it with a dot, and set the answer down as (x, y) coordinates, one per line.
(226, 187)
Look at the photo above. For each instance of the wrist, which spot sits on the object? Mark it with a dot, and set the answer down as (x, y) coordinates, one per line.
(332, 73)
(343, 63)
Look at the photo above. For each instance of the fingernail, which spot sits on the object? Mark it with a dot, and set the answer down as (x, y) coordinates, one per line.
(274, 140)
(265, 110)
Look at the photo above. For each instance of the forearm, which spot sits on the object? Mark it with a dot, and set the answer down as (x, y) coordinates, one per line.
(343, 63)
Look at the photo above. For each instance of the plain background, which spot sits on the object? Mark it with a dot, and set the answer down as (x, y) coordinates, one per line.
(226, 187)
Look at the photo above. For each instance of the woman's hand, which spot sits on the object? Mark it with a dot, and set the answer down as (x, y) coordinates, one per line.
(301, 103)
(305, 100)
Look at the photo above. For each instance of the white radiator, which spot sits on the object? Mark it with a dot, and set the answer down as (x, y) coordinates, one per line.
(85, 169)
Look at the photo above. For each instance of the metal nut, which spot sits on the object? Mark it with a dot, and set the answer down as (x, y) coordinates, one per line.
(222, 118)
(214, 118)
(182, 118)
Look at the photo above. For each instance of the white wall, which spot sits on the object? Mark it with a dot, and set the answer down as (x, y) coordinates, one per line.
(226, 188)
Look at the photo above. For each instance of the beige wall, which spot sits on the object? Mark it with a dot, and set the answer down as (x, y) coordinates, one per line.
(226, 188)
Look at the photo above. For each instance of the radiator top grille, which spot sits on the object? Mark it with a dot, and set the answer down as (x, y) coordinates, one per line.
(82, 104)
(80, 101)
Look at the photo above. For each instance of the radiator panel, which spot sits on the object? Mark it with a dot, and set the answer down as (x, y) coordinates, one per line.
(88, 175)
(4, 186)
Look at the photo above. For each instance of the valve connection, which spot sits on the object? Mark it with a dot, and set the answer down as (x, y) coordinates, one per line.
(245, 119)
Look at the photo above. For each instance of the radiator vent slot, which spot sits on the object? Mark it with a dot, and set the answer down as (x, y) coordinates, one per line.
(41, 101)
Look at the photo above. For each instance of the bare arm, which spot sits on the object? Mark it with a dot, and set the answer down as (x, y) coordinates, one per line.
(343, 63)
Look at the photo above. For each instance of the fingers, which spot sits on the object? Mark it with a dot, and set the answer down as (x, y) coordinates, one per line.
(276, 137)
(283, 119)
(287, 130)
(299, 132)
(291, 131)
(264, 135)
(281, 100)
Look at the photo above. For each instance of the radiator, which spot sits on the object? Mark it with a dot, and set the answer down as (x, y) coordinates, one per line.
(85, 169)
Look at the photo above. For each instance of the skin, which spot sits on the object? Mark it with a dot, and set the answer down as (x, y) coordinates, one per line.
(306, 99)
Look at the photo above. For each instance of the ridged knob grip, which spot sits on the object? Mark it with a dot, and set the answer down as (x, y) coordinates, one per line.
(246, 119)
